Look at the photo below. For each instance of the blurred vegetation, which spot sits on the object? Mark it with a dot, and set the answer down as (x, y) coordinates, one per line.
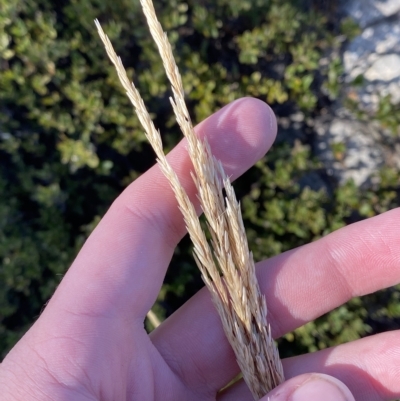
(69, 142)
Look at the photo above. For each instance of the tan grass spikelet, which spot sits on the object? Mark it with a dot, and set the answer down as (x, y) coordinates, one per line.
(228, 268)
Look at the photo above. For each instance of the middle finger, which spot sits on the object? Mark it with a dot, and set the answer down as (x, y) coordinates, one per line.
(299, 286)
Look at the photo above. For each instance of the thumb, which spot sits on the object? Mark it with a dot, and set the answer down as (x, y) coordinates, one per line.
(310, 387)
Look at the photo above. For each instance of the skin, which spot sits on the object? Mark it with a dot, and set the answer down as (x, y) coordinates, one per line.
(90, 343)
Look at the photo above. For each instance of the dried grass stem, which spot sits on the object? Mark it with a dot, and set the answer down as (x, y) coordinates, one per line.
(228, 268)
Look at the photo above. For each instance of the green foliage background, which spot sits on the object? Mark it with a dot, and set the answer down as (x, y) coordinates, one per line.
(69, 142)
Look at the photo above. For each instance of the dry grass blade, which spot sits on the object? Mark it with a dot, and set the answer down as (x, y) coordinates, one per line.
(244, 316)
(237, 296)
(203, 253)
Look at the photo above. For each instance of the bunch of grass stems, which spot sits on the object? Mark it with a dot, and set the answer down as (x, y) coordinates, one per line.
(226, 264)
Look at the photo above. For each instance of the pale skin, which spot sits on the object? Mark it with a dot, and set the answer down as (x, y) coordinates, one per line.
(90, 342)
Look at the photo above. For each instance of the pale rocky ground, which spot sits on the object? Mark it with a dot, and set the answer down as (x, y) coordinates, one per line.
(374, 55)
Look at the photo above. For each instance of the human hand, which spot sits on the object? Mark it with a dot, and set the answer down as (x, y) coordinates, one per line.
(90, 343)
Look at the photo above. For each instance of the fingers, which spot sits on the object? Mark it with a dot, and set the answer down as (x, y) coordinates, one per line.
(306, 387)
(299, 285)
(311, 387)
(121, 267)
(368, 367)
(315, 387)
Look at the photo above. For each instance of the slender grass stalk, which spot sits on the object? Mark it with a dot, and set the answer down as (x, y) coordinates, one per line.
(228, 268)
(154, 320)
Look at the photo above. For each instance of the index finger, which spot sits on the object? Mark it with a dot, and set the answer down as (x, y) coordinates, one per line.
(122, 265)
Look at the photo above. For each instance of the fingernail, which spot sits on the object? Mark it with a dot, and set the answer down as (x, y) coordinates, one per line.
(320, 388)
